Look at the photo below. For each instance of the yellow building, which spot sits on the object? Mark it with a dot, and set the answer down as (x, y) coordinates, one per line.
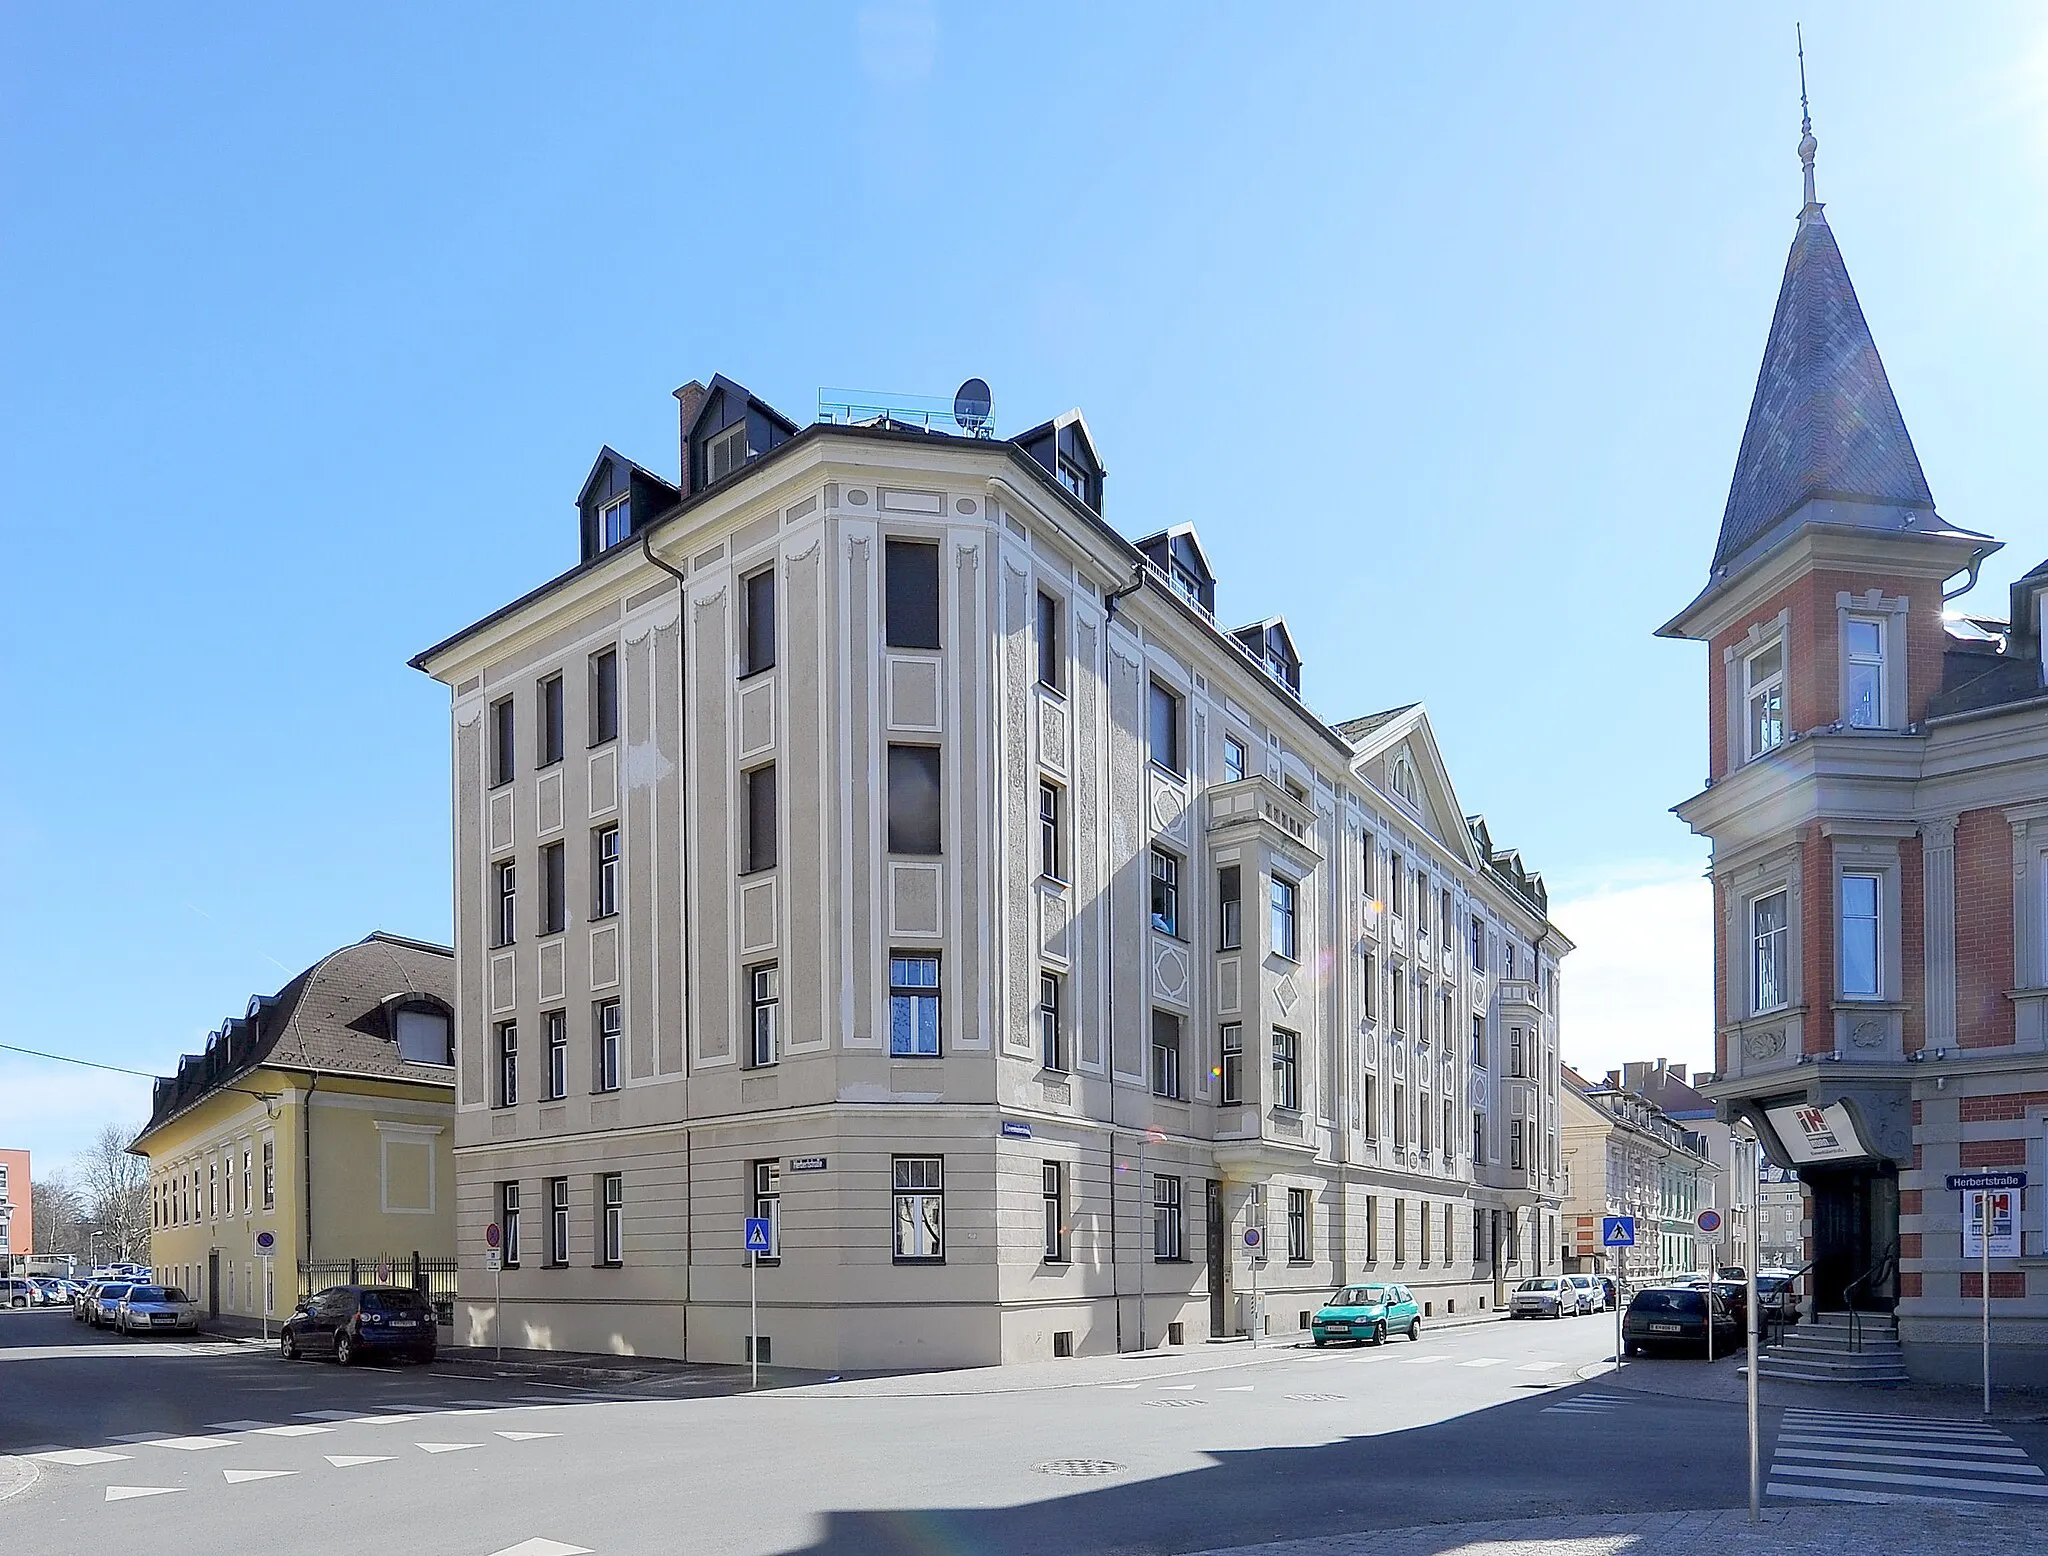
(321, 1117)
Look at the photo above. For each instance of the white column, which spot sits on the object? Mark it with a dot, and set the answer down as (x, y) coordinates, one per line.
(1938, 881)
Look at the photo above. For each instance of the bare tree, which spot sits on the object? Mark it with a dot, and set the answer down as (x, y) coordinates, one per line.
(115, 1188)
(59, 1215)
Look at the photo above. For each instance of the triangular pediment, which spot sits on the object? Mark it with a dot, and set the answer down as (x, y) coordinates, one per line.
(1399, 760)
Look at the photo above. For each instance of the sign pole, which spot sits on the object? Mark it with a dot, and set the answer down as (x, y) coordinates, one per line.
(754, 1316)
(1614, 1274)
(1143, 1136)
(1984, 1221)
(265, 1303)
(1749, 1225)
(498, 1306)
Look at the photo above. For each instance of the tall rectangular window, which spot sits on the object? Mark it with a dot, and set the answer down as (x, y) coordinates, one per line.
(1233, 759)
(1051, 1050)
(1478, 1138)
(1372, 1229)
(615, 521)
(1862, 941)
(1164, 726)
(1763, 683)
(760, 791)
(768, 1206)
(758, 626)
(1049, 851)
(1230, 907)
(1165, 1054)
(1168, 1226)
(1369, 994)
(912, 584)
(1397, 884)
(1768, 989)
(550, 721)
(1233, 1064)
(1518, 1057)
(1422, 1127)
(558, 1221)
(1052, 1186)
(914, 806)
(1422, 1223)
(913, 1006)
(1284, 943)
(504, 742)
(920, 1209)
(554, 889)
(270, 1175)
(611, 1204)
(508, 1224)
(1400, 1231)
(1478, 943)
(1368, 863)
(609, 1034)
(1863, 643)
(1049, 655)
(248, 1183)
(1515, 1144)
(1298, 1250)
(764, 1005)
(1450, 1134)
(1165, 892)
(1397, 996)
(1400, 1117)
(557, 1024)
(506, 875)
(1479, 1041)
(604, 696)
(604, 898)
(1286, 1071)
(508, 1063)
(1369, 1105)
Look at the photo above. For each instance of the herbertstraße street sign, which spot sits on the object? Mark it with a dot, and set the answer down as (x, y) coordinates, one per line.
(1959, 1181)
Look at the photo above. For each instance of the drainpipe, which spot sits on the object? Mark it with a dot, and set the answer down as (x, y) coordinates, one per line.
(306, 1161)
(1109, 600)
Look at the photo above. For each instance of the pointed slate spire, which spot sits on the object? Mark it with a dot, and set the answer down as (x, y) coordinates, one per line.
(1823, 423)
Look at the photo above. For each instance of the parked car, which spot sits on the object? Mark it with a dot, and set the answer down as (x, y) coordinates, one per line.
(149, 1309)
(1592, 1293)
(15, 1292)
(1544, 1296)
(81, 1297)
(101, 1301)
(348, 1322)
(1777, 1295)
(50, 1293)
(1734, 1295)
(1365, 1313)
(1676, 1318)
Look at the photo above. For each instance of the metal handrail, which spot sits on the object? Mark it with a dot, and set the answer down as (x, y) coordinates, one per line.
(1776, 1323)
(1869, 1277)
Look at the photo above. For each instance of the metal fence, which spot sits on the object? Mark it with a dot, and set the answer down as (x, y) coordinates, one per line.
(432, 1278)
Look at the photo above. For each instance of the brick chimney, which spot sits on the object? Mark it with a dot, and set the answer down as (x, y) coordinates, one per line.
(689, 399)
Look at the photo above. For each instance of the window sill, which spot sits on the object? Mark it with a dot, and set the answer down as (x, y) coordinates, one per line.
(746, 674)
(1063, 1261)
(598, 745)
(1058, 693)
(1047, 878)
(756, 869)
(599, 918)
(609, 1264)
(1163, 769)
(1179, 1258)
(1058, 1072)
(894, 1055)
(900, 1260)
(605, 1091)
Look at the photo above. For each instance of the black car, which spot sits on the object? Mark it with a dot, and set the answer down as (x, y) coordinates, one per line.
(1675, 1318)
(347, 1322)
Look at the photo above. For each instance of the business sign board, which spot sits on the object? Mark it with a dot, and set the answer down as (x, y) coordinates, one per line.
(2005, 1223)
(1817, 1134)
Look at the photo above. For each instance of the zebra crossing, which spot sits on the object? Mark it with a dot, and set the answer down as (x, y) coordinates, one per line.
(1595, 1403)
(1852, 1456)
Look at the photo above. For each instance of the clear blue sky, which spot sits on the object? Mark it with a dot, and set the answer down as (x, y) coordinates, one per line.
(1440, 325)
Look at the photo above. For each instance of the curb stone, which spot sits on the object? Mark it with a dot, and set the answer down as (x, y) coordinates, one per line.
(16, 1476)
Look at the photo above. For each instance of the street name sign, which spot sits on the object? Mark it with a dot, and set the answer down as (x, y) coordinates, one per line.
(1016, 1129)
(807, 1164)
(1962, 1181)
(760, 1235)
(1617, 1231)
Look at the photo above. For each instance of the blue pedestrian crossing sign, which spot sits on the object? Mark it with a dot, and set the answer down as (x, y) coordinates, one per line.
(1617, 1231)
(760, 1235)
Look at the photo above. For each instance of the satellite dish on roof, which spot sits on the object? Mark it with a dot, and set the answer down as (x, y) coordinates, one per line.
(971, 405)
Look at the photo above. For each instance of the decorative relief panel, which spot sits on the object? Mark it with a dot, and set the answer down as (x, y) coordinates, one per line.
(1052, 922)
(554, 977)
(1475, 1088)
(1169, 970)
(914, 694)
(1229, 986)
(502, 996)
(1397, 1057)
(500, 820)
(757, 715)
(896, 500)
(604, 956)
(1058, 1093)
(604, 1113)
(1765, 1045)
(604, 780)
(757, 915)
(914, 899)
(547, 802)
(1052, 734)
(1286, 995)
(1169, 808)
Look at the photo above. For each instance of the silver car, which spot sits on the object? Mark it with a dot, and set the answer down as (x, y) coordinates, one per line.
(1544, 1296)
(102, 1299)
(149, 1309)
(1592, 1294)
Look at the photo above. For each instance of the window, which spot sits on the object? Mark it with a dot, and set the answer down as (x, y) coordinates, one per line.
(1518, 1059)
(763, 999)
(1397, 996)
(424, 1037)
(725, 452)
(1507, 959)
(1515, 1144)
(1477, 942)
(1400, 1231)
(550, 721)
(913, 1006)
(1397, 883)
(248, 1182)
(1048, 641)
(270, 1175)
(768, 1207)
(760, 787)
(554, 889)
(912, 604)
(1767, 931)
(508, 903)
(504, 753)
(1052, 1177)
(1445, 1025)
(920, 1219)
(1422, 1127)
(558, 1221)
(1297, 1226)
(611, 1209)
(1283, 919)
(1230, 907)
(1450, 1135)
(1863, 639)
(1422, 1222)
(1049, 1047)
(1479, 1041)
(1233, 1063)
(608, 1031)
(1368, 866)
(213, 1191)
(1287, 1071)
(1165, 1054)
(604, 696)
(1862, 971)
(508, 1223)
(1167, 1225)
(1164, 710)
(615, 521)
(914, 806)
(1369, 994)
(604, 899)
(508, 1063)
(1400, 1117)
(1233, 759)
(1165, 892)
(1763, 677)
(1049, 832)
(557, 1023)
(1478, 1139)
(757, 650)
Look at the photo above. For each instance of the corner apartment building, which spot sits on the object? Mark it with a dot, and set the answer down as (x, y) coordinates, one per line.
(1781, 1219)
(17, 1210)
(1625, 1157)
(1733, 1153)
(865, 836)
(1877, 800)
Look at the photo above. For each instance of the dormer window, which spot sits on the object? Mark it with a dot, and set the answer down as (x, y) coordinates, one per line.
(1073, 477)
(725, 453)
(1186, 583)
(424, 1036)
(614, 521)
(1763, 690)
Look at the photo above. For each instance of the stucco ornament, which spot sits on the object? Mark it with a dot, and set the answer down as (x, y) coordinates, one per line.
(1867, 1033)
(1765, 1045)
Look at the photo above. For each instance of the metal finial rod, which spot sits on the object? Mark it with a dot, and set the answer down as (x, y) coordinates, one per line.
(1805, 118)
(1807, 144)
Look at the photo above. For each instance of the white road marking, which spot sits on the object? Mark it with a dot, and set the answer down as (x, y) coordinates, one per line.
(1947, 1482)
(1978, 1450)
(1972, 1462)
(539, 1547)
(1495, 1361)
(77, 1456)
(381, 1420)
(238, 1426)
(1553, 1366)
(1420, 1361)
(526, 1437)
(141, 1437)
(342, 1461)
(124, 1493)
(1910, 1461)
(1130, 1385)
(445, 1447)
(236, 1477)
(1246, 1388)
(187, 1444)
(290, 1431)
(1183, 1387)
(327, 1415)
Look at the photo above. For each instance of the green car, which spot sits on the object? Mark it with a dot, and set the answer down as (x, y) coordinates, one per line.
(1368, 1313)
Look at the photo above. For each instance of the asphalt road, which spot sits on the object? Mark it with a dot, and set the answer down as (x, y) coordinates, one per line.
(231, 1450)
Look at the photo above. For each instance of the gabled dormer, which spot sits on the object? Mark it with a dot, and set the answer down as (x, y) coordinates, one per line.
(618, 498)
(1270, 643)
(1178, 554)
(729, 429)
(1064, 446)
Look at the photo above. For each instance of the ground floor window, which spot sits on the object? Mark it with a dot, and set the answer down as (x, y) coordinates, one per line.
(508, 1223)
(1298, 1249)
(1052, 1187)
(558, 1221)
(768, 1206)
(1167, 1225)
(920, 1209)
(611, 1203)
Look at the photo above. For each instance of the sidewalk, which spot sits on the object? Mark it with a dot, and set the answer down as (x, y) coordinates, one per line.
(1723, 1380)
(1904, 1529)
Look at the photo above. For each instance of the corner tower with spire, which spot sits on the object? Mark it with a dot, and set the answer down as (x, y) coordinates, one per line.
(1877, 801)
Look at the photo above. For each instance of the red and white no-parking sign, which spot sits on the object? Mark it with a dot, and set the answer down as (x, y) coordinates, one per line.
(1710, 1221)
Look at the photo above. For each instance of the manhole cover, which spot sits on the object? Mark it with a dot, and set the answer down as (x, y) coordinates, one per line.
(1078, 1467)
